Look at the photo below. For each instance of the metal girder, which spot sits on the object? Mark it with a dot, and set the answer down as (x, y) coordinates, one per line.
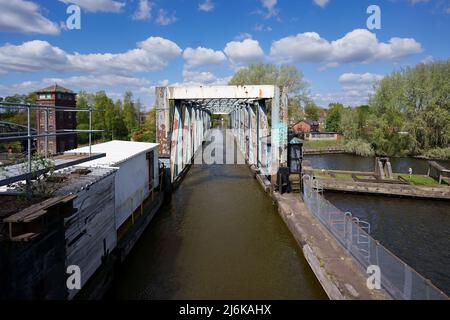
(222, 105)
(262, 145)
(221, 92)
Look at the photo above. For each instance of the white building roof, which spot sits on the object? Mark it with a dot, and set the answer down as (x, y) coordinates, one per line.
(116, 152)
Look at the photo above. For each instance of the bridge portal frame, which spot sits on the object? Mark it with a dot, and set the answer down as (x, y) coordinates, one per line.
(189, 109)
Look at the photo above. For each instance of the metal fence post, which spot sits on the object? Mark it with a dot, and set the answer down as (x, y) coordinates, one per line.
(46, 131)
(90, 130)
(29, 138)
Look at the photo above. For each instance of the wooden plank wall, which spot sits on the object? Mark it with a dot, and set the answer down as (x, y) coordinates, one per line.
(91, 232)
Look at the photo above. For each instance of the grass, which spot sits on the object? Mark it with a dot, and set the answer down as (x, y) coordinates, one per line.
(419, 180)
(338, 176)
(323, 144)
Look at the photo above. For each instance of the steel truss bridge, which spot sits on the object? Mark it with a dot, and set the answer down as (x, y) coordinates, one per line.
(183, 118)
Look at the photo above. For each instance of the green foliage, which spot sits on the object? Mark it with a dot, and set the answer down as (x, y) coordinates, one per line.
(333, 121)
(295, 110)
(269, 74)
(118, 120)
(438, 153)
(312, 111)
(354, 122)
(359, 147)
(410, 111)
(130, 114)
(147, 133)
(19, 116)
(41, 169)
(284, 76)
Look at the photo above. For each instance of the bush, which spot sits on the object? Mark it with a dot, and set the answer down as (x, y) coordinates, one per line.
(359, 147)
(438, 154)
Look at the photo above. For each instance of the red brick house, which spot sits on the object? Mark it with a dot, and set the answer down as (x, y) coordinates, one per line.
(305, 126)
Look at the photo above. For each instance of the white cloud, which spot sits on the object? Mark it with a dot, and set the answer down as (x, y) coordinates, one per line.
(24, 16)
(359, 45)
(113, 85)
(89, 82)
(428, 59)
(348, 98)
(321, 3)
(202, 56)
(163, 83)
(32, 56)
(144, 10)
(97, 5)
(206, 6)
(359, 78)
(198, 77)
(270, 7)
(245, 52)
(356, 89)
(164, 18)
(242, 36)
(152, 54)
(262, 27)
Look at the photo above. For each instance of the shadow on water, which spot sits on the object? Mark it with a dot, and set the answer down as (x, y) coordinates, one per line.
(219, 237)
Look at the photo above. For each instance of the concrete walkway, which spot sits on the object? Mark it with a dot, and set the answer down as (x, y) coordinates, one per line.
(336, 270)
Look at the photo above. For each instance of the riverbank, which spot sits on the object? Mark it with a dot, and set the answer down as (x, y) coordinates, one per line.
(337, 272)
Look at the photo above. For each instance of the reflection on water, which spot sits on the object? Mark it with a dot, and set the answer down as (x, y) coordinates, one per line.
(220, 237)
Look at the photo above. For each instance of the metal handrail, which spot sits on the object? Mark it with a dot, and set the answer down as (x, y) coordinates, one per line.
(30, 137)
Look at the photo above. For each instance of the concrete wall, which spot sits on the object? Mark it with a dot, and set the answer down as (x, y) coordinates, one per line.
(387, 189)
(322, 136)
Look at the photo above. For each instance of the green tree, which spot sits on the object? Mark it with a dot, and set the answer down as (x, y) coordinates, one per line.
(130, 116)
(333, 121)
(409, 111)
(285, 76)
(147, 133)
(312, 111)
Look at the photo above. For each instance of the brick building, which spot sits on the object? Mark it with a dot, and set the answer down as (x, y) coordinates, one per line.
(305, 126)
(57, 120)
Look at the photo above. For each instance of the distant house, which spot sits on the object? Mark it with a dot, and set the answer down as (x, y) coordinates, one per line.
(305, 126)
(316, 136)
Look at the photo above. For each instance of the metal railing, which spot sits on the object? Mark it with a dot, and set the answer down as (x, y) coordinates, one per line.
(30, 135)
(398, 279)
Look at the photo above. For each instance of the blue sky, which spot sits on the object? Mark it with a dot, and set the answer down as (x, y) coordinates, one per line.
(139, 44)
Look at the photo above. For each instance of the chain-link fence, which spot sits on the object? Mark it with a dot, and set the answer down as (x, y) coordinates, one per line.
(397, 278)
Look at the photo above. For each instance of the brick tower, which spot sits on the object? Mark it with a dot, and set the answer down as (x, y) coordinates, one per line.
(57, 120)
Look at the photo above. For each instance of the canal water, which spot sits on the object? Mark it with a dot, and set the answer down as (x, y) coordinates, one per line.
(219, 237)
(417, 231)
